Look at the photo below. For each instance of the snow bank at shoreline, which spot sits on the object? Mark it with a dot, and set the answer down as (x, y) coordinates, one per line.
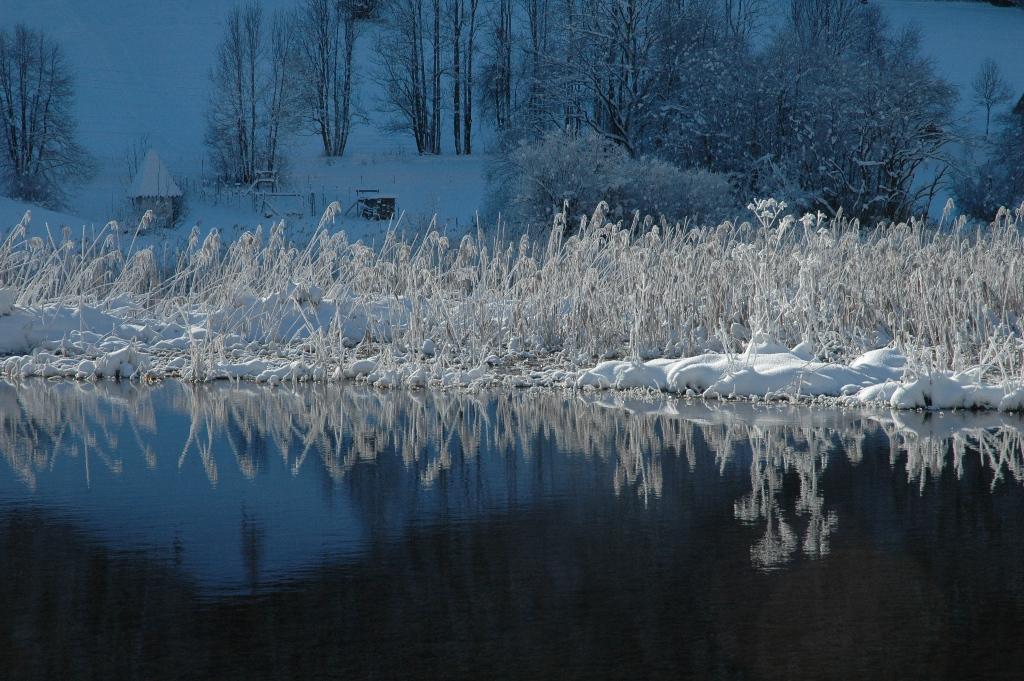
(880, 376)
(121, 342)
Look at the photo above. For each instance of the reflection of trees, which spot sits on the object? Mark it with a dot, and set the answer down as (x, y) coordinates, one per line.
(333, 429)
(252, 548)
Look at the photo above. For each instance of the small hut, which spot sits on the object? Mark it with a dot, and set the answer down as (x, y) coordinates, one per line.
(154, 189)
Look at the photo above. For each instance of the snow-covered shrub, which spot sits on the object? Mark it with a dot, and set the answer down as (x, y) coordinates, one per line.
(980, 188)
(660, 188)
(536, 180)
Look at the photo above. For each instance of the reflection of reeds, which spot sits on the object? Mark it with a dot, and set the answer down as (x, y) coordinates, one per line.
(335, 428)
(43, 420)
(799, 448)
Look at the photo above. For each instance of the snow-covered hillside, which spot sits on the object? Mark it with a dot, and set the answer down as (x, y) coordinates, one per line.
(142, 68)
(959, 36)
(41, 219)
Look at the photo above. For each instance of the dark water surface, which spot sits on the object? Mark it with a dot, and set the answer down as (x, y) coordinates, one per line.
(226, 532)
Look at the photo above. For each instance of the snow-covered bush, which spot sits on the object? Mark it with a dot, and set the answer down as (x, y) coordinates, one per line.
(660, 188)
(535, 181)
(980, 188)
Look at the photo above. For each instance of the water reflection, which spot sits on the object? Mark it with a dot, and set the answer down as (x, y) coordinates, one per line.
(330, 430)
(227, 531)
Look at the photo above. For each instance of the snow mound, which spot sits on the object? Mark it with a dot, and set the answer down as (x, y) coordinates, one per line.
(772, 372)
(766, 370)
(273, 340)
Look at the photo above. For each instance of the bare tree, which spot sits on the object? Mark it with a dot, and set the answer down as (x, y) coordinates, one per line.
(462, 15)
(496, 76)
(742, 17)
(231, 118)
(825, 27)
(990, 89)
(252, 86)
(329, 29)
(411, 91)
(38, 150)
(613, 69)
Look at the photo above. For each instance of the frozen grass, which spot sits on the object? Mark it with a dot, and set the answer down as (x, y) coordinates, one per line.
(950, 297)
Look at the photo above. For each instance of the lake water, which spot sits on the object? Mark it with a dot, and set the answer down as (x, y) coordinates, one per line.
(236, 532)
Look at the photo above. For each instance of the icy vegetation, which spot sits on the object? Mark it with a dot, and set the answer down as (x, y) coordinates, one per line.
(780, 308)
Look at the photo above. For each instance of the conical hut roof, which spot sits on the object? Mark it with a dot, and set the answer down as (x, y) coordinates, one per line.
(1019, 109)
(153, 180)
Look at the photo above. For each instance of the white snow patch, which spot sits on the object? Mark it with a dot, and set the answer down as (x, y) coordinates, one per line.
(764, 372)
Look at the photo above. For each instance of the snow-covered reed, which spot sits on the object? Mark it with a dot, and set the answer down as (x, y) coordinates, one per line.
(950, 296)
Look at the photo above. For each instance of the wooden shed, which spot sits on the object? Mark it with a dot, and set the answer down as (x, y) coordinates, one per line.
(154, 189)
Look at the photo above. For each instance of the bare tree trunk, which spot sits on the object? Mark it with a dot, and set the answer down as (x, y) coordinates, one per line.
(435, 120)
(346, 99)
(573, 111)
(456, 10)
(237, 56)
(538, 16)
(253, 21)
(467, 127)
(333, 114)
(280, 81)
(423, 126)
(504, 94)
